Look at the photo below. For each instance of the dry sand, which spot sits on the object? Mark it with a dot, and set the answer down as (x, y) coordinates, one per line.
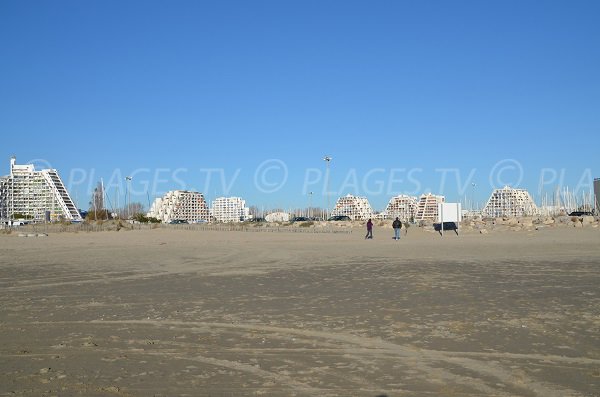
(172, 313)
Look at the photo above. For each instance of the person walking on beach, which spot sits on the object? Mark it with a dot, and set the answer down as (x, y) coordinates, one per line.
(369, 230)
(397, 225)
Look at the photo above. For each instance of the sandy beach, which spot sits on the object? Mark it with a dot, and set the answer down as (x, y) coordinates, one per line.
(214, 313)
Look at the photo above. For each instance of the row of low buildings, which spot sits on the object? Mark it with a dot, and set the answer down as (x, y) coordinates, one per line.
(192, 207)
(40, 195)
(507, 201)
(402, 206)
(503, 202)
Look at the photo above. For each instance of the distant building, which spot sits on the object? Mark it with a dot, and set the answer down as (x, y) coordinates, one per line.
(278, 217)
(35, 195)
(510, 202)
(401, 206)
(180, 204)
(230, 209)
(597, 195)
(427, 207)
(357, 208)
(380, 216)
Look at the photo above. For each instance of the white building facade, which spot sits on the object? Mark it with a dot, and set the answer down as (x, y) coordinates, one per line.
(35, 195)
(230, 210)
(180, 204)
(510, 202)
(401, 206)
(354, 207)
(427, 206)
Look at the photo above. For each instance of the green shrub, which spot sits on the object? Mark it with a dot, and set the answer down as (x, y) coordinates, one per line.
(145, 219)
(98, 215)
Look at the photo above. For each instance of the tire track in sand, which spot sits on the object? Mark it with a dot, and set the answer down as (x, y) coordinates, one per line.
(421, 359)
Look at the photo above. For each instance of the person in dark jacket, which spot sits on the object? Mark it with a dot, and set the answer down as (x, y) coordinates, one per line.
(369, 229)
(397, 225)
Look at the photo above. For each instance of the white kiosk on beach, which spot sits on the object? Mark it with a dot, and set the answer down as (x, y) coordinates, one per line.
(449, 212)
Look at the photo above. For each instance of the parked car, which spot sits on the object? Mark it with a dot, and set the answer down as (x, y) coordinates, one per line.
(300, 219)
(257, 220)
(340, 218)
(178, 222)
(581, 213)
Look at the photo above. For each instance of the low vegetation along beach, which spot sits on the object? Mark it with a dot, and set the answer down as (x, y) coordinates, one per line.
(513, 311)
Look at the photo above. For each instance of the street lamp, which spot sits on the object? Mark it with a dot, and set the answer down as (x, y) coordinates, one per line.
(473, 185)
(128, 194)
(327, 160)
(309, 204)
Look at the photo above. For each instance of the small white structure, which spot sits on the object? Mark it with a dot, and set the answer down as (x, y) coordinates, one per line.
(510, 202)
(357, 208)
(449, 212)
(401, 206)
(36, 195)
(180, 204)
(230, 209)
(278, 217)
(380, 216)
(427, 207)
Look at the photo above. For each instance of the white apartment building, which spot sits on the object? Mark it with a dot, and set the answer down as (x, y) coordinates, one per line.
(230, 209)
(510, 202)
(180, 204)
(35, 195)
(357, 208)
(401, 206)
(427, 207)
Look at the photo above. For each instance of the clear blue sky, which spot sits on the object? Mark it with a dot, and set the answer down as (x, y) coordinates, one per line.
(105, 88)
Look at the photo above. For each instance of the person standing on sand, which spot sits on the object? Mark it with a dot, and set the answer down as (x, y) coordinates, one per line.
(369, 230)
(397, 225)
